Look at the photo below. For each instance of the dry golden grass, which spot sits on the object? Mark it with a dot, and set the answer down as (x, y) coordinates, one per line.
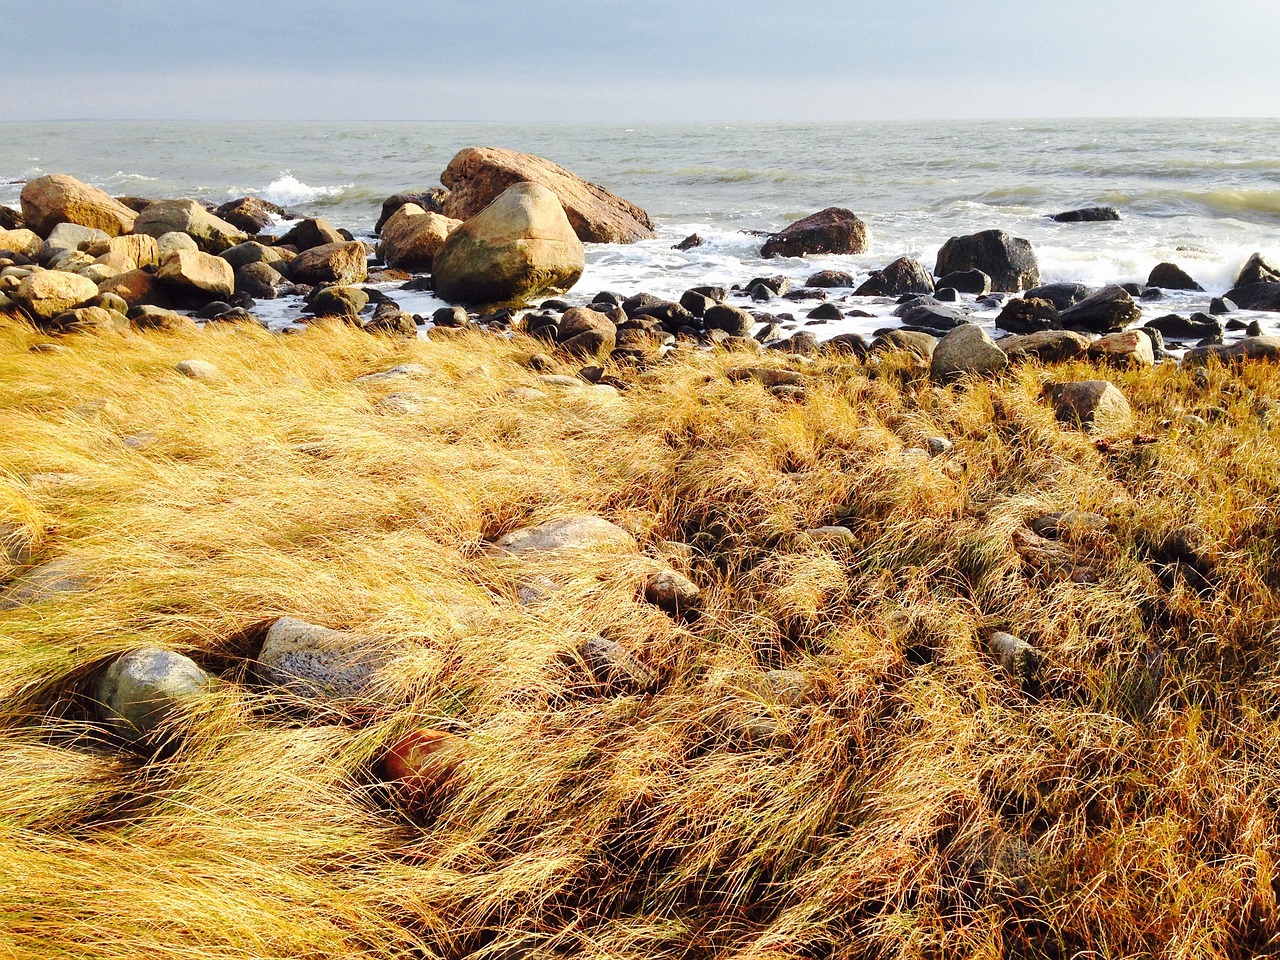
(918, 801)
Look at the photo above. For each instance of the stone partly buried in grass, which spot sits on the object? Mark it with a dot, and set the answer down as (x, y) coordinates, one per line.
(1091, 404)
(518, 248)
(425, 765)
(319, 664)
(146, 688)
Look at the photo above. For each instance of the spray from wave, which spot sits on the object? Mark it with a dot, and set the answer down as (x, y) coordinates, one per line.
(287, 190)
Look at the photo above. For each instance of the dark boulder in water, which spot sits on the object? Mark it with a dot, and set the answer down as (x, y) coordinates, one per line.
(1086, 215)
(250, 214)
(1008, 261)
(1199, 327)
(830, 278)
(966, 281)
(778, 285)
(1028, 315)
(1257, 296)
(825, 311)
(688, 243)
(1257, 269)
(902, 276)
(1169, 276)
(1107, 311)
(833, 230)
(1061, 295)
(731, 320)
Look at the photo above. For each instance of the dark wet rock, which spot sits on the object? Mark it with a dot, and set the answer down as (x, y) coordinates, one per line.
(609, 297)
(833, 230)
(1090, 404)
(718, 294)
(250, 214)
(947, 295)
(732, 320)
(802, 343)
(688, 243)
(260, 280)
(1250, 348)
(903, 276)
(1009, 261)
(849, 344)
(830, 278)
(1191, 328)
(825, 311)
(1108, 310)
(1047, 346)
(1017, 657)
(1169, 276)
(760, 293)
(1257, 269)
(1086, 215)
(1061, 295)
(1187, 553)
(966, 350)
(966, 281)
(806, 293)
(1257, 296)
(921, 344)
(1221, 305)
(1028, 315)
(10, 219)
(777, 285)
(929, 313)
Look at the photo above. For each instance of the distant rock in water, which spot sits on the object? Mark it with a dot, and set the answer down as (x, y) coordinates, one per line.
(477, 176)
(833, 230)
(688, 243)
(901, 277)
(1086, 215)
(1170, 276)
(1008, 261)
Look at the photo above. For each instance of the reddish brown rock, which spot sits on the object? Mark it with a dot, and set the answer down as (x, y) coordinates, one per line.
(412, 237)
(833, 230)
(1123, 349)
(58, 198)
(425, 765)
(477, 176)
(134, 288)
(345, 262)
(250, 214)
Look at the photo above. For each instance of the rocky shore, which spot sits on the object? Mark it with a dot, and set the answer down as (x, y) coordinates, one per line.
(560, 622)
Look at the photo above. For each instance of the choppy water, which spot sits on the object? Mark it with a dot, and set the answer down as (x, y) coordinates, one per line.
(1203, 193)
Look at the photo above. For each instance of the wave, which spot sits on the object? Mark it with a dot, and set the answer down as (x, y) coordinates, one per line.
(1238, 204)
(287, 190)
(732, 175)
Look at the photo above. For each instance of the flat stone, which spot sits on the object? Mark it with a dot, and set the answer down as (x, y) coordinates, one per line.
(319, 664)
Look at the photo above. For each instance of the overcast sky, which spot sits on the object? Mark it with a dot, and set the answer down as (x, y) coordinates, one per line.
(626, 60)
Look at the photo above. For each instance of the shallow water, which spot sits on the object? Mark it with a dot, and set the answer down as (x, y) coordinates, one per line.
(1203, 193)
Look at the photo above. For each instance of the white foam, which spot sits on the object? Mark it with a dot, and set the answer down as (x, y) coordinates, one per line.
(287, 190)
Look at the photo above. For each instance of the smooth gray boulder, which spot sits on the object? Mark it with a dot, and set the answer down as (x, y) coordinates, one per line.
(144, 688)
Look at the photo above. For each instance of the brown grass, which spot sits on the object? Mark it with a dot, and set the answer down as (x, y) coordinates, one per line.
(918, 802)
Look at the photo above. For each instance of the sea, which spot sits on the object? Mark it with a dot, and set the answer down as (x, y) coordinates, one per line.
(1204, 194)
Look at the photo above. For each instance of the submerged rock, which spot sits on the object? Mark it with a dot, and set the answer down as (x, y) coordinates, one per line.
(1169, 276)
(1086, 215)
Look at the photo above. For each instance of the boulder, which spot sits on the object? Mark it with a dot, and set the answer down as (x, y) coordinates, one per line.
(1127, 348)
(135, 287)
(69, 236)
(903, 276)
(261, 281)
(58, 198)
(1047, 346)
(21, 240)
(966, 350)
(1061, 295)
(1015, 655)
(732, 320)
(431, 200)
(1257, 269)
(10, 219)
(343, 263)
(194, 276)
(157, 318)
(965, 281)
(913, 341)
(1091, 404)
(519, 248)
(1257, 296)
(1250, 348)
(583, 332)
(672, 592)
(1008, 261)
(337, 301)
(251, 251)
(212, 234)
(1200, 327)
(425, 765)
(1108, 310)
(1028, 315)
(86, 320)
(1169, 276)
(143, 250)
(47, 293)
(833, 230)
(412, 237)
(309, 233)
(930, 314)
(830, 278)
(579, 532)
(143, 689)
(173, 241)
(1086, 215)
(201, 370)
(477, 176)
(319, 664)
(250, 214)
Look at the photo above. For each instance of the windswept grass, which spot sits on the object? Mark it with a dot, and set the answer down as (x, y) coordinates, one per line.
(913, 800)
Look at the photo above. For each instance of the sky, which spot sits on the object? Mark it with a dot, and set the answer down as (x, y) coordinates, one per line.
(644, 60)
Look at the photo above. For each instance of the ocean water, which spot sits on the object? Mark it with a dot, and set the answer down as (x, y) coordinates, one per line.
(1202, 193)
